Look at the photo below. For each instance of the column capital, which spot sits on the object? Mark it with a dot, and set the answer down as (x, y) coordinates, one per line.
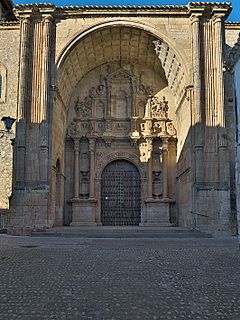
(195, 17)
(48, 19)
(25, 19)
(218, 17)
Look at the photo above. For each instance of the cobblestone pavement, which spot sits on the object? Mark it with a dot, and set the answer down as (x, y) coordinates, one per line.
(59, 278)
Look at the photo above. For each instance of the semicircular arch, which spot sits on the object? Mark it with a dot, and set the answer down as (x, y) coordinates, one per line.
(69, 74)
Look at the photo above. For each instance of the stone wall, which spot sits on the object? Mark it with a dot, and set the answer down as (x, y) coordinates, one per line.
(9, 58)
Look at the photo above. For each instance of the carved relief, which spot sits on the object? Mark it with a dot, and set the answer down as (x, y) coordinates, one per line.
(104, 158)
(118, 96)
(83, 108)
(156, 121)
(145, 149)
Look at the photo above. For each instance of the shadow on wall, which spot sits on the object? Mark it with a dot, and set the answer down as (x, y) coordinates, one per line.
(206, 195)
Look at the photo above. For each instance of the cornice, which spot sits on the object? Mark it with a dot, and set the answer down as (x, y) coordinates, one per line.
(232, 23)
(221, 5)
(68, 11)
(102, 8)
(13, 25)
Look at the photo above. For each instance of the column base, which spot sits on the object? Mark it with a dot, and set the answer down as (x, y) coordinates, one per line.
(83, 212)
(157, 213)
(28, 211)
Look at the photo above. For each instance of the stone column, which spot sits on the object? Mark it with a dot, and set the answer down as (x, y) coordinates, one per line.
(149, 180)
(223, 157)
(76, 167)
(196, 56)
(164, 149)
(24, 67)
(218, 59)
(92, 168)
(32, 188)
(197, 116)
(47, 30)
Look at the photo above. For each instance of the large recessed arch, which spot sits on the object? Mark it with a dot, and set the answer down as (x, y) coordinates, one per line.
(88, 50)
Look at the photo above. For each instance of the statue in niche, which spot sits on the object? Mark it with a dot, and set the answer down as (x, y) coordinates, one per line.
(84, 185)
(157, 184)
(100, 108)
(83, 108)
(84, 162)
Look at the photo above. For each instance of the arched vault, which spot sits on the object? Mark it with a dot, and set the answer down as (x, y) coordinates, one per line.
(119, 42)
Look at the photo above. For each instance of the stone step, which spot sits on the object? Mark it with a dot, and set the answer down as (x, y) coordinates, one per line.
(122, 232)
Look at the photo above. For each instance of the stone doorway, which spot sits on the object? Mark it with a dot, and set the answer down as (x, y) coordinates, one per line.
(121, 194)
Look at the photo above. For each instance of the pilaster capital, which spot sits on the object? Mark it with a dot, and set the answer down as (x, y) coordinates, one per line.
(195, 17)
(48, 19)
(218, 17)
(25, 20)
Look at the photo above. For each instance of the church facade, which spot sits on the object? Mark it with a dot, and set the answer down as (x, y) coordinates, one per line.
(124, 116)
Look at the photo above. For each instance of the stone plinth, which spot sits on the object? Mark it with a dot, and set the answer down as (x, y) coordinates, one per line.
(83, 212)
(157, 213)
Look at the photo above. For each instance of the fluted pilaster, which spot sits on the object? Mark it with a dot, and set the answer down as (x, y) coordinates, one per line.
(218, 61)
(24, 67)
(47, 30)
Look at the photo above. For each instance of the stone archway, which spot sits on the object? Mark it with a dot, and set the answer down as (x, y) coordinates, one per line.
(120, 194)
(100, 100)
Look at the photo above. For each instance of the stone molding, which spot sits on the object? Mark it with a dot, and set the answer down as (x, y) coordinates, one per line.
(105, 159)
(68, 11)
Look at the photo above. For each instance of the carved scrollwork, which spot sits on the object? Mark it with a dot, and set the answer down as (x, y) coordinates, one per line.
(79, 129)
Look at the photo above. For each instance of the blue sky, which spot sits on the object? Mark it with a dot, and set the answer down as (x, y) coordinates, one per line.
(235, 15)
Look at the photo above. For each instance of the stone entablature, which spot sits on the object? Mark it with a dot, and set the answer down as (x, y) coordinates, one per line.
(145, 10)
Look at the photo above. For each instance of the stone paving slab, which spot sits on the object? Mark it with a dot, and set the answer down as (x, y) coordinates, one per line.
(74, 278)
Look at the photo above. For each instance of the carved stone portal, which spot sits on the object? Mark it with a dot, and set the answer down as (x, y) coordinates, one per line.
(109, 118)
